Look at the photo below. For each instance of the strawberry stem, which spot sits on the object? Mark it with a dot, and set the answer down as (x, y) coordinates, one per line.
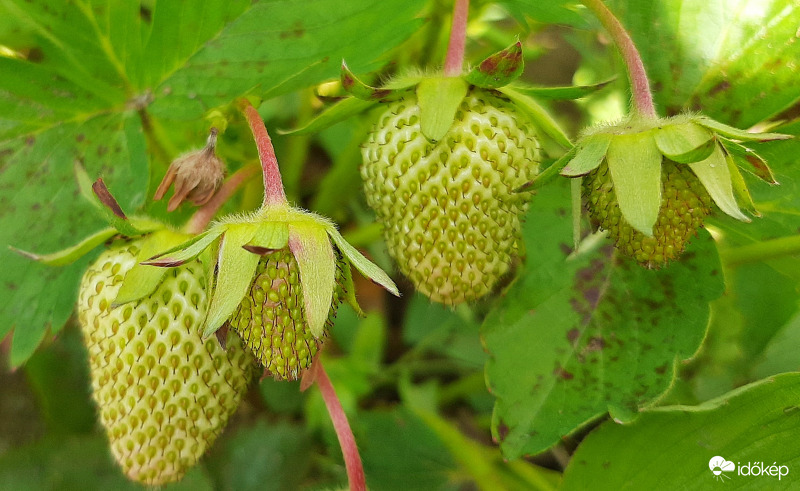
(203, 216)
(640, 86)
(352, 459)
(273, 185)
(454, 61)
(762, 251)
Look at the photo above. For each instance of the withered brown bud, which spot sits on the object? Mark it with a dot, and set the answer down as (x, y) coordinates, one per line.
(196, 175)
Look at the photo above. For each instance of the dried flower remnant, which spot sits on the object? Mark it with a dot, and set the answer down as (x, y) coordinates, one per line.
(197, 176)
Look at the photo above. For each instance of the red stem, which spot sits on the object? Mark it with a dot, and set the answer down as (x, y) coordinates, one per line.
(352, 459)
(273, 185)
(454, 62)
(201, 217)
(640, 86)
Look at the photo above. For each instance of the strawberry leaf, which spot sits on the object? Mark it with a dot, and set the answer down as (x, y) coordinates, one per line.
(608, 335)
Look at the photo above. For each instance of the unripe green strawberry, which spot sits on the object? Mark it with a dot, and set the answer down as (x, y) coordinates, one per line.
(163, 393)
(450, 214)
(271, 318)
(684, 205)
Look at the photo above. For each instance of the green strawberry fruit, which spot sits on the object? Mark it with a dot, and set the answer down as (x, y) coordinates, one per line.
(163, 393)
(684, 205)
(271, 318)
(450, 214)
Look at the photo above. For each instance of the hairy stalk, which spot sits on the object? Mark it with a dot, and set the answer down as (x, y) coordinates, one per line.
(454, 62)
(203, 216)
(273, 184)
(640, 86)
(352, 459)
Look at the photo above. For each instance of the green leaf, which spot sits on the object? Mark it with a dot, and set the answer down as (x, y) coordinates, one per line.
(349, 288)
(499, 69)
(269, 236)
(73, 253)
(550, 12)
(355, 87)
(749, 160)
(313, 251)
(550, 173)
(685, 143)
(635, 164)
(538, 115)
(754, 424)
(438, 100)
(362, 264)
(185, 251)
(591, 151)
(733, 60)
(737, 134)
(561, 93)
(716, 178)
(340, 111)
(235, 270)
(607, 334)
(743, 197)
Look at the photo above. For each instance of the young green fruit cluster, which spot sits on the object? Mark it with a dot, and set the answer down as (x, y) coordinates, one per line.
(163, 393)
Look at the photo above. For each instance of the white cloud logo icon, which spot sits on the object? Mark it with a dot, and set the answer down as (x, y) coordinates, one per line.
(718, 465)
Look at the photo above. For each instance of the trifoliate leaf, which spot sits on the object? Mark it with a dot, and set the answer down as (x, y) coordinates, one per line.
(591, 152)
(438, 100)
(685, 143)
(635, 164)
(716, 178)
(316, 261)
(362, 264)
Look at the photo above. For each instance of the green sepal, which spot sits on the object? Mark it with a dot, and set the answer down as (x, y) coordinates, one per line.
(269, 236)
(316, 263)
(349, 288)
(438, 100)
(560, 93)
(590, 154)
(499, 69)
(185, 251)
(634, 161)
(72, 253)
(358, 89)
(685, 143)
(716, 178)
(538, 115)
(743, 196)
(548, 174)
(736, 133)
(235, 270)
(338, 112)
(362, 264)
(406, 81)
(143, 279)
(106, 206)
(749, 160)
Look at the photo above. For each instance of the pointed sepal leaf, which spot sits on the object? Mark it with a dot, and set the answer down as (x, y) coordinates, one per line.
(743, 196)
(104, 203)
(338, 112)
(362, 264)
(404, 81)
(355, 87)
(499, 69)
(538, 115)
(143, 279)
(438, 100)
(561, 93)
(716, 178)
(349, 288)
(186, 251)
(635, 164)
(235, 270)
(70, 254)
(269, 236)
(749, 160)
(550, 173)
(685, 143)
(590, 154)
(737, 134)
(316, 262)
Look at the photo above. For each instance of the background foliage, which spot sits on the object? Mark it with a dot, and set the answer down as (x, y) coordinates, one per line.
(653, 366)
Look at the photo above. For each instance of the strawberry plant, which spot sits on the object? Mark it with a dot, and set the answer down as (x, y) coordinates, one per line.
(497, 245)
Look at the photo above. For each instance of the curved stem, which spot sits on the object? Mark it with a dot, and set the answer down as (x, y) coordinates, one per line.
(273, 185)
(352, 459)
(762, 251)
(640, 86)
(454, 62)
(203, 216)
